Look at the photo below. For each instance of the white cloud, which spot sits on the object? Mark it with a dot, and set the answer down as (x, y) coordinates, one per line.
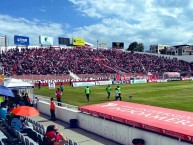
(11, 26)
(146, 21)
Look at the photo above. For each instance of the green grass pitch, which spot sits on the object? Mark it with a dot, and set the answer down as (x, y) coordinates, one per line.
(176, 95)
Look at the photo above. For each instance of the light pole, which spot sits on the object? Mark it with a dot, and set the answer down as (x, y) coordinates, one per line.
(6, 43)
(97, 44)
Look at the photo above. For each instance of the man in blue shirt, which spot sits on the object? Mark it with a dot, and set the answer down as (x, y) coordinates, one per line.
(21, 127)
(16, 123)
(3, 111)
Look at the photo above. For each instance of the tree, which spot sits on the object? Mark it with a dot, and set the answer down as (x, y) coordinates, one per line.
(134, 46)
(140, 47)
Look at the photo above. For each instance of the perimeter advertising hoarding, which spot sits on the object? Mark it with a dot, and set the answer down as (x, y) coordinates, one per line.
(82, 84)
(21, 40)
(103, 82)
(118, 45)
(78, 41)
(63, 41)
(46, 40)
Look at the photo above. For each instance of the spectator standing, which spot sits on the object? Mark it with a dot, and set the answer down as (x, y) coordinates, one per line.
(22, 102)
(61, 87)
(27, 100)
(52, 109)
(58, 94)
(119, 93)
(39, 85)
(71, 84)
(87, 92)
(108, 89)
(34, 102)
(17, 98)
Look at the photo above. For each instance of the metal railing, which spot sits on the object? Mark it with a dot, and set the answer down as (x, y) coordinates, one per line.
(65, 105)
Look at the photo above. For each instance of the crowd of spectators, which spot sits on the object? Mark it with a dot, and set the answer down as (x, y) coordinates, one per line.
(16, 123)
(41, 61)
(7, 105)
(18, 100)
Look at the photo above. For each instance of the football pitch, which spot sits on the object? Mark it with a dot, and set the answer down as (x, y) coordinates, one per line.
(175, 95)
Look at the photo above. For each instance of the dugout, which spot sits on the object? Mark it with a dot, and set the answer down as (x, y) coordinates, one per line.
(20, 86)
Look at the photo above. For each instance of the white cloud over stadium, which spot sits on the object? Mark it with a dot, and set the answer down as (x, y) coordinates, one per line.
(146, 21)
(25, 27)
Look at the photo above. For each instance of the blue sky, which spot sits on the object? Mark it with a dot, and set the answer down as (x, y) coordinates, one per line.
(147, 21)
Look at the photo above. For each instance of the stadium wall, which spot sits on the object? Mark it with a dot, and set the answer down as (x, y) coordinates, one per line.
(62, 113)
(121, 133)
(117, 132)
(188, 58)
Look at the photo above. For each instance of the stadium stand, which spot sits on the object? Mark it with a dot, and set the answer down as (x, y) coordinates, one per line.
(2, 137)
(9, 135)
(59, 61)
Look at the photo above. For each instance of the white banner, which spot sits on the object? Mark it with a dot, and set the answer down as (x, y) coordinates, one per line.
(103, 82)
(157, 81)
(82, 84)
(137, 81)
(161, 81)
(51, 85)
(46, 40)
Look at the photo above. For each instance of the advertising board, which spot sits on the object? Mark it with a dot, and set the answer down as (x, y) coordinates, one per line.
(82, 84)
(78, 41)
(64, 41)
(102, 44)
(137, 81)
(46, 40)
(21, 40)
(118, 45)
(103, 82)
